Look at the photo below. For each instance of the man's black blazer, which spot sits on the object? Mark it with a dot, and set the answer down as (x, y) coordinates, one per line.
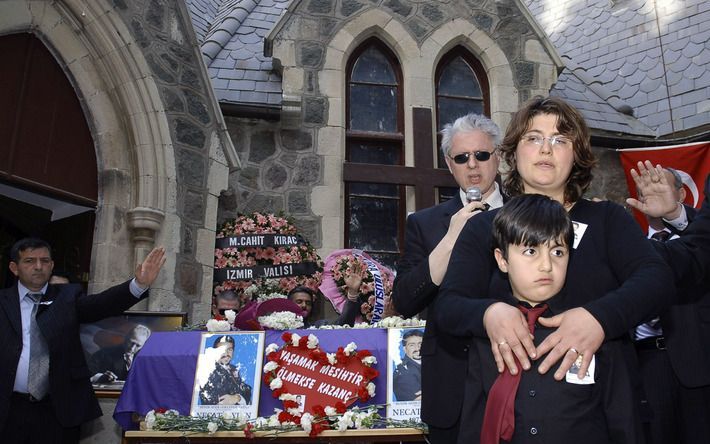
(70, 391)
(686, 324)
(444, 357)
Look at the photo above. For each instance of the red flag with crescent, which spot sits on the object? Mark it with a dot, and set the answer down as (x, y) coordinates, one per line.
(692, 161)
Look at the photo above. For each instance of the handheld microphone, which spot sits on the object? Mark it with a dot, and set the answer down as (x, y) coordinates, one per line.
(473, 194)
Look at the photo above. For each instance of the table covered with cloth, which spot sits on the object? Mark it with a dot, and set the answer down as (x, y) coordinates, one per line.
(163, 373)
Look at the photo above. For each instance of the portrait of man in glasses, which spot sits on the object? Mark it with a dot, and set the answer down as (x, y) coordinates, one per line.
(469, 148)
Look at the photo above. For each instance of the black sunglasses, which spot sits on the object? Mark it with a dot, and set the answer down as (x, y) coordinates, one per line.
(480, 156)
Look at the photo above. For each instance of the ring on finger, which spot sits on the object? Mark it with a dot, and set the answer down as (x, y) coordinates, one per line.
(503, 342)
(572, 349)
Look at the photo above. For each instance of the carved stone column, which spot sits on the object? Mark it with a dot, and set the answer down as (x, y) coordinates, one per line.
(144, 224)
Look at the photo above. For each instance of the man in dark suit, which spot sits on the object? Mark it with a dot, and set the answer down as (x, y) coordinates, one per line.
(45, 393)
(672, 349)
(469, 147)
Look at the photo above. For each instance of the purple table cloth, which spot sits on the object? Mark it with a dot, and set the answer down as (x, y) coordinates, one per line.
(163, 373)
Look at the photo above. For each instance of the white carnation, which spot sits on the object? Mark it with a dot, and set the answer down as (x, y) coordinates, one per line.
(330, 411)
(332, 360)
(274, 420)
(312, 341)
(230, 315)
(306, 422)
(270, 366)
(371, 389)
(212, 427)
(276, 383)
(213, 325)
(287, 397)
(295, 338)
(271, 348)
(369, 360)
(281, 320)
(350, 348)
(150, 420)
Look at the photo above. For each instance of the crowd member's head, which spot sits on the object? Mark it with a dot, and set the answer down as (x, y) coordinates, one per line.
(469, 147)
(226, 300)
(226, 345)
(304, 297)
(31, 261)
(412, 344)
(532, 236)
(673, 178)
(548, 149)
(136, 339)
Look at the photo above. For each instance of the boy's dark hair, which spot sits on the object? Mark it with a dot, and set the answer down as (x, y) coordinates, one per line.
(28, 243)
(531, 219)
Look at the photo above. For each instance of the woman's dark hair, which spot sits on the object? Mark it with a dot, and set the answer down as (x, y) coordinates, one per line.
(570, 123)
(530, 220)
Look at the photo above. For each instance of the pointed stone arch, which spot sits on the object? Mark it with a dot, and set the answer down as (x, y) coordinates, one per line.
(122, 106)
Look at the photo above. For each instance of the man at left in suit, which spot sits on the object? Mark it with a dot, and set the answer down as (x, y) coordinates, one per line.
(45, 393)
(469, 146)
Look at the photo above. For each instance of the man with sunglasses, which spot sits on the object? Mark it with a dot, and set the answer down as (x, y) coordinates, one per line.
(469, 148)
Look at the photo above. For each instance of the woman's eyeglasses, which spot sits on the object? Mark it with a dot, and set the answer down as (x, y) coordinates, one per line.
(480, 156)
(536, 139)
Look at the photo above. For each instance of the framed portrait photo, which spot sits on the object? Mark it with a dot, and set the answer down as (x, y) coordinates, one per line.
(404, 373)
(111, 344)
(228, 374)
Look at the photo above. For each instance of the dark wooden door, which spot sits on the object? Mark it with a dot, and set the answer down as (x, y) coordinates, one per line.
(46, 148)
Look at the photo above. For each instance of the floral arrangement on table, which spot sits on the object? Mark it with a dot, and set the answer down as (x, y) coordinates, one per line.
(290, 418)
(310, 342)
(348, 264)
(331, 418)
(234, 257)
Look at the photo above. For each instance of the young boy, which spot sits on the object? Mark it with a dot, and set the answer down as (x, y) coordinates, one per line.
(532, 239)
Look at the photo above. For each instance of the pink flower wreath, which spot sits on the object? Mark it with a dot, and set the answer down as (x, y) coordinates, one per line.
(258, 223)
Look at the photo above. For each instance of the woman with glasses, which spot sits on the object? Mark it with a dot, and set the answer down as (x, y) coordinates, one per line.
(615, 279)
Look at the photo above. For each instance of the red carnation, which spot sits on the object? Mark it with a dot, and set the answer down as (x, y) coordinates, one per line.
(278, 392)
(161, 410)
(285, 417)
(268, 377)
(319, 410)
(273, 356)
(363, 354)
(303, 342)
(248, 430)
(340, 407)
(288, 404)
(370, 373)
(286, 337)
(363, 394)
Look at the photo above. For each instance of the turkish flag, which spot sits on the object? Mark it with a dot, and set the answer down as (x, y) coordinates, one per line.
(692, 161)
